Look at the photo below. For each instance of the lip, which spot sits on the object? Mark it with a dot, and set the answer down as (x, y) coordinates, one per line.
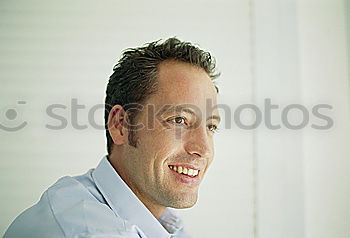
(185, 179)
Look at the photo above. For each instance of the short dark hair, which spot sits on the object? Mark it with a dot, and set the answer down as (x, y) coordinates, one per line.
(134, 77)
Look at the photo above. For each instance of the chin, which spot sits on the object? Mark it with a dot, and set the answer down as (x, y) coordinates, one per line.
(183, 203)
(184, 206)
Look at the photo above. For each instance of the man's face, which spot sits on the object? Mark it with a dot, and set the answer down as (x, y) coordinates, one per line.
(179, 140)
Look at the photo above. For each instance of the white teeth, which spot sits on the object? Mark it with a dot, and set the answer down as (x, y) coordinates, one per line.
(184, 170)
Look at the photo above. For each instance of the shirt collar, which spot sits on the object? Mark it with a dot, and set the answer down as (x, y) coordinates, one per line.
(125, 203)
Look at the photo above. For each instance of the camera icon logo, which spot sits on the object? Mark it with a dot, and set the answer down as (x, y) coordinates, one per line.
(11, 114)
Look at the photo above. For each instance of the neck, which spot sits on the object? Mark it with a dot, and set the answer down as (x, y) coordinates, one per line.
(156, 209)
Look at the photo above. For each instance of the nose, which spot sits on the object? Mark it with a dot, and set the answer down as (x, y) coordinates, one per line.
(199, 142)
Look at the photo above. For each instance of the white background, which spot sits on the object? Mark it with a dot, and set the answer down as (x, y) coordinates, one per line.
(263, 183)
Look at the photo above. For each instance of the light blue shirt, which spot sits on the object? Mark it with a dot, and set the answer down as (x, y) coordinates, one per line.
(97, 204)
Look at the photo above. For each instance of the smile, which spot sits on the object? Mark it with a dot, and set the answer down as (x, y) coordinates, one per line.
(183, 170)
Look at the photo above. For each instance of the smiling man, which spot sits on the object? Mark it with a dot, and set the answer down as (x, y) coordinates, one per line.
(160, 123)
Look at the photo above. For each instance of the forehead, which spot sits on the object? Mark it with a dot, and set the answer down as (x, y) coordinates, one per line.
(181, 83)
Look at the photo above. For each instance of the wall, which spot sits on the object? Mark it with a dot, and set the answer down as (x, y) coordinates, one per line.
(263, 183)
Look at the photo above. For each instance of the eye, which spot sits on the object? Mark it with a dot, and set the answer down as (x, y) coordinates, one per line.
(178, 120)
(213, 128)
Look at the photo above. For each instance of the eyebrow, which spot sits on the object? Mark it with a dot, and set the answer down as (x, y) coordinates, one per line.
(183, 108)
(214, 117)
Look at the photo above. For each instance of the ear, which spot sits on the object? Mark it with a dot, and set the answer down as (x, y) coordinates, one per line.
(116, 125)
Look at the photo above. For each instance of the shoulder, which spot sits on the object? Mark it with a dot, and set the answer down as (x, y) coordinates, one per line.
(77, 210)
(30, 222)
(69, 207)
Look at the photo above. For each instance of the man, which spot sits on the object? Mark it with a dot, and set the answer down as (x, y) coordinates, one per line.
(160, 122)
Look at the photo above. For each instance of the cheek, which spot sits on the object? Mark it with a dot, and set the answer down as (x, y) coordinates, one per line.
(167, 137)
(160, 144)
(156, 147)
